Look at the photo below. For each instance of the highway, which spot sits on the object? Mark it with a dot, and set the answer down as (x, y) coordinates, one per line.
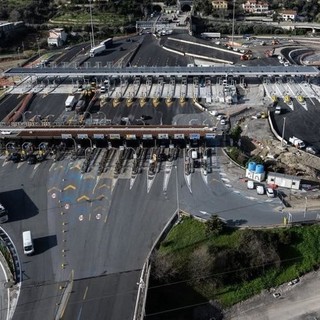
(118, 226)
(92, 233)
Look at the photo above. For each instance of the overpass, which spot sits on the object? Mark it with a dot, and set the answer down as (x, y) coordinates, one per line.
(253, 71)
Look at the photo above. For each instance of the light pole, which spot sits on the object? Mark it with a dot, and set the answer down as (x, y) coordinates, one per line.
(233, 16)
(306, 206)
(92, 33)
(104, 116)
(283, 129)
(24, 115)
(90, 114)
(177, 189)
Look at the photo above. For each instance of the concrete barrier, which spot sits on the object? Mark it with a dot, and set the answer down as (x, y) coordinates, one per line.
(174, 51)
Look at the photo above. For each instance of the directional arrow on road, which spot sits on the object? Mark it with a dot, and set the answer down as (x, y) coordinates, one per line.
(84, 197)
(70, 186)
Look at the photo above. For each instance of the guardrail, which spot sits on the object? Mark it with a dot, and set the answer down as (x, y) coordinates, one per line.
(139, 311)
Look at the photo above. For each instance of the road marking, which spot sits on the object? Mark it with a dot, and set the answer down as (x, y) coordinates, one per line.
(77, 166)
(88, 176)
(19, 165)
(228, 185)
(225, 180)
(236, 191)
(54, 189)
(105, 219)
(84, 197)
(69, 186)
(85, 294)
(94, 188)
(103, 186)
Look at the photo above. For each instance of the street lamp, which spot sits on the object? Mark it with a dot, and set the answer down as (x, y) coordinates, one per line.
(233, 16)
(24, 115)
(90, 114)
(283, 129)
(92, 33)
(104, 116)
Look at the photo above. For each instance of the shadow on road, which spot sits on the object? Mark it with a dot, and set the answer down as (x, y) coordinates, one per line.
(19, 205)
(44, 243)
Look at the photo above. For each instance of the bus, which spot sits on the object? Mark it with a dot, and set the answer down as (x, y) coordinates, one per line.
(3, 214)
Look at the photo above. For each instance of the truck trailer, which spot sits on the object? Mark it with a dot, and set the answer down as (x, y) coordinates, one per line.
(70, 102)
(97, 50)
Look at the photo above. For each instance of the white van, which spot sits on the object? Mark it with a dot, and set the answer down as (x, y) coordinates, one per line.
(250, 184)
(27, 243)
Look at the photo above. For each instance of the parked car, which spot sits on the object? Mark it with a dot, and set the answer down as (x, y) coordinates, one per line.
(260, 189)
(312, 150)
(32, 159)
(250, 184)
(270, 192)
(277, 294)
(293, 282)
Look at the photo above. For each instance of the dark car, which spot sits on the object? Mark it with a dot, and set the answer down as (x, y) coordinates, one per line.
(32, 159)
(15, 157)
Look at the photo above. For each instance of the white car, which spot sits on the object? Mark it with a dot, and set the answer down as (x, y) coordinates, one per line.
(260, 189)
(270, 192)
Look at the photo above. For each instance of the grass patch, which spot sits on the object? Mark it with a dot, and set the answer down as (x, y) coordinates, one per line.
(80, 18)
(232, 271)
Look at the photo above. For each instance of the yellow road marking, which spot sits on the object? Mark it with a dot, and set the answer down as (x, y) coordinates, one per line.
(84, 197)
(70, 186)
(77, 166)
(53, 189)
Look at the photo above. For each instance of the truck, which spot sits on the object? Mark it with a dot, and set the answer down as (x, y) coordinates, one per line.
(70, 102)
(97, 50)
(298, 143)
(107, 43)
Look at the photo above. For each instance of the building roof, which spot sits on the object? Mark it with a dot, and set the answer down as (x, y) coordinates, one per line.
(288, 12)
(284, 176)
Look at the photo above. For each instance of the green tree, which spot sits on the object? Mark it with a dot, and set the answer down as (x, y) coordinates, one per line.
(214, 226)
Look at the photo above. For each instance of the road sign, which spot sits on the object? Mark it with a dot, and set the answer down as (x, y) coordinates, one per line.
(210, 135)
(178, 136)
(131, 137)
(82, 136)
(98, 136)
(147, 137)
(114, 136)
(66, 135)
(163, 136)
(194, 136)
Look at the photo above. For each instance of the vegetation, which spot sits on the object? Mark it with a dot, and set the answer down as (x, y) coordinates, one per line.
(232, 265)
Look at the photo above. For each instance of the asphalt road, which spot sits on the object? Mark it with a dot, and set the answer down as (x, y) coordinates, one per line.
(151, 54)
(8, 103)
(46, 105)
(104, 246)
(298, 120)
(23, 191)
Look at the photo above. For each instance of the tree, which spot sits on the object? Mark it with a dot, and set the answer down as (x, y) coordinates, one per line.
(163, 266)
(214, 225)
(200, 263)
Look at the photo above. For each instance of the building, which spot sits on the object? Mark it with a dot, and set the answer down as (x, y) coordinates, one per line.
(283, 180)
(57, 37)
(288, 15)
(255, 7)
(219, 4)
